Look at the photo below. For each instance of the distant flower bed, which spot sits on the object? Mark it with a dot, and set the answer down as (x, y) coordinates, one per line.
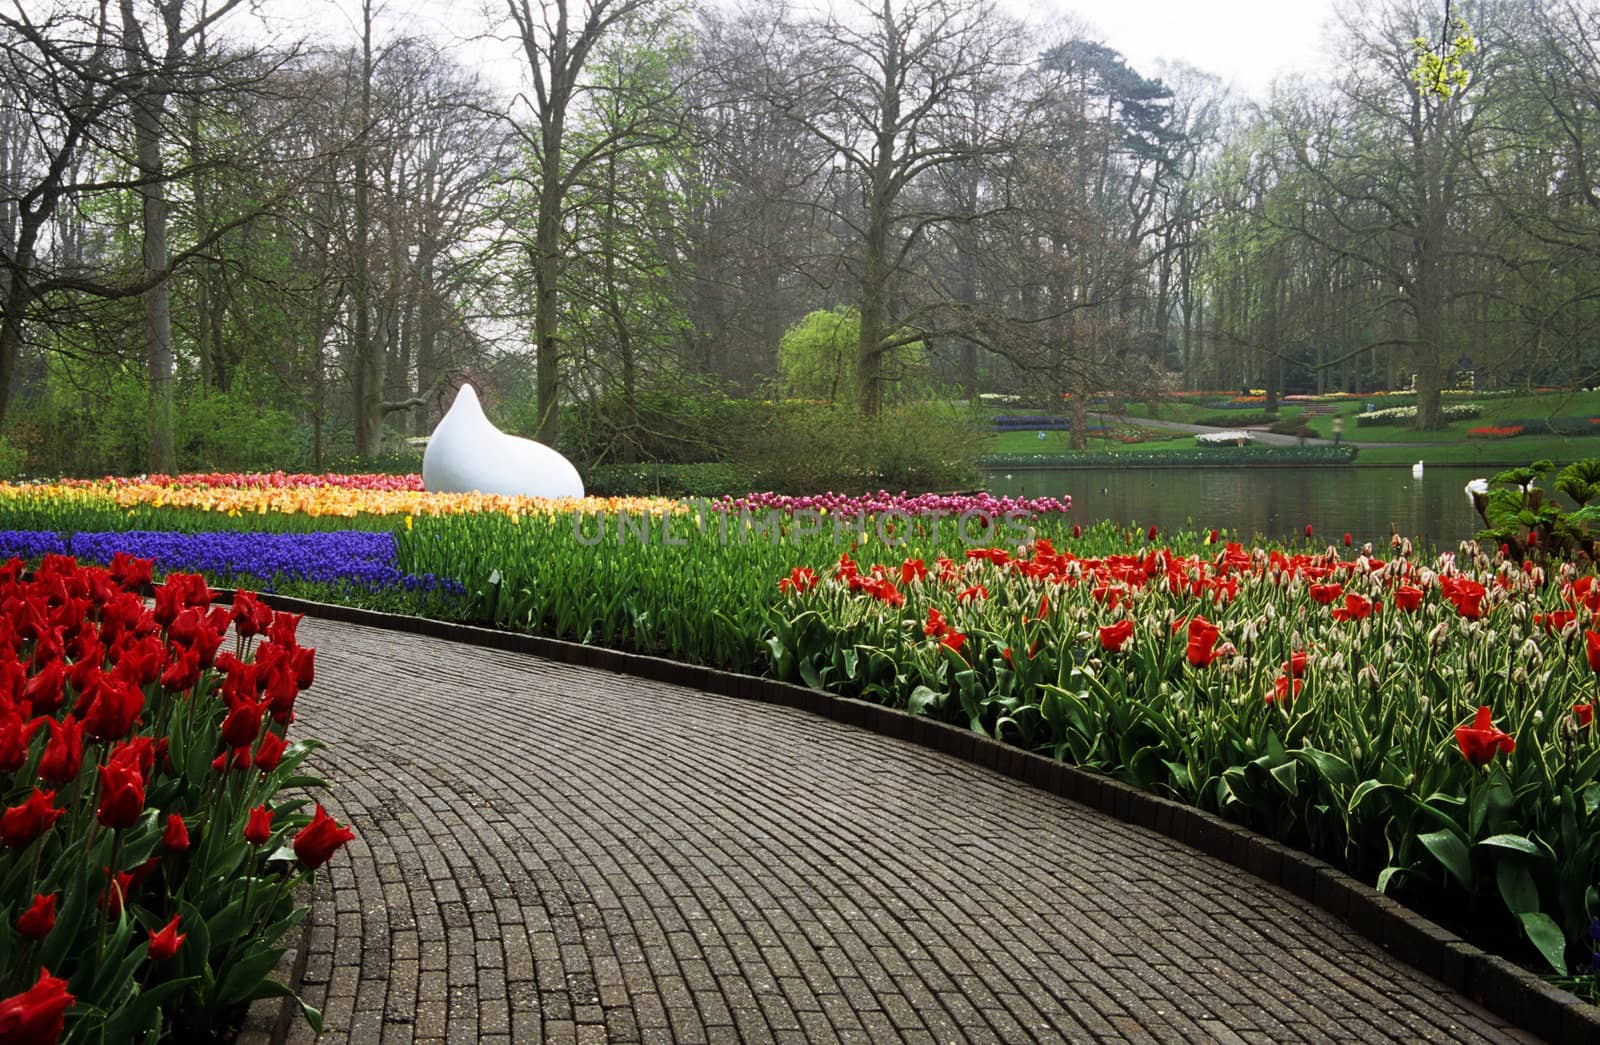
(1566, 426)
(1492, 432)
(1225, 438)
(262, 481)
(916, 505)
(1400, 414)
(359, 558)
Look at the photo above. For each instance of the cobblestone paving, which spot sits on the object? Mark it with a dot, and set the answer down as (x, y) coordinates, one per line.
(555, 854)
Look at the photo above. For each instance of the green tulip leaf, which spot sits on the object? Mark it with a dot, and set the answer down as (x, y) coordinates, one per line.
(1451, 852)
(1545, 935)
(1516, 843)
(1517, 888)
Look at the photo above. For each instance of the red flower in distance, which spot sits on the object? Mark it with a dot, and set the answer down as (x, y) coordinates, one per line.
(1481, 741)
(63, 752)
(1408, 597)
(259, 827)
(175, 839)
(1356, 607)
(1326, 593)
(36, 922)
(1201, 649)
(1347, 541)
(164, 942)
(316, 842)
(801, 579)
(1584, 714)
(1296, 664)
(912, 570)
(976, 591)
(1591, 641)
(1308, 531)
(38, 1014)
(121, 794)
(1556, 622)
(1281, 690)
(1114, 636)
(21, 824)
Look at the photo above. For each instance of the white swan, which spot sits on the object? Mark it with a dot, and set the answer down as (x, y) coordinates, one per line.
(1416, 470)
(466, 453)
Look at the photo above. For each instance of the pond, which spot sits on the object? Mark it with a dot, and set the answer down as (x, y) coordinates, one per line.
(1273, 502)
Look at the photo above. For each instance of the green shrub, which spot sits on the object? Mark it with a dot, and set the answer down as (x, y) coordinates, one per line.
(804, 448)
(817, 360)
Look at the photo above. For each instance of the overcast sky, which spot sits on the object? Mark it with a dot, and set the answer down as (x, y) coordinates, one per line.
(1245, 42)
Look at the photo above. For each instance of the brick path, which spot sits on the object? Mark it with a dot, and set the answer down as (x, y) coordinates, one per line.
(558, 854)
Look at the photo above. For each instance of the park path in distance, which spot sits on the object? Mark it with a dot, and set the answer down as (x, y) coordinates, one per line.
(548, 853)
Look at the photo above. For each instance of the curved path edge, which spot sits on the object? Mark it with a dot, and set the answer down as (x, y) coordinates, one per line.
(1504, 988)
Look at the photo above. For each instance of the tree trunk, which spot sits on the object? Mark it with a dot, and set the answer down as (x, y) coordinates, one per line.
(367, 365)
(149, 105)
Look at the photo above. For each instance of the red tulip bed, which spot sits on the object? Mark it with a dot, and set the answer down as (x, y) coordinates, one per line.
(1427, 725)
(147, 857)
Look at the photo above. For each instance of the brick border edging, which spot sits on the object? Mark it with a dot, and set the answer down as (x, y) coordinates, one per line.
(1504, 988)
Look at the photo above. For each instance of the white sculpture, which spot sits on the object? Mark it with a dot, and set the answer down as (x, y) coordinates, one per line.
(466, 453)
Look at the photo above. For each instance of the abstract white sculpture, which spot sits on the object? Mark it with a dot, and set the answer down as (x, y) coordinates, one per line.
(467, 453)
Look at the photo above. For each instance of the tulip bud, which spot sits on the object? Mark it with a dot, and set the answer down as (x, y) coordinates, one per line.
(1538, 718)
(1423, 704)
(1436, 637)
(1520, 677)
(1336, 662)
(1530, 652)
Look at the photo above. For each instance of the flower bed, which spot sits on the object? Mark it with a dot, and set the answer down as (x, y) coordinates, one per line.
(1237, 437)
(1395, 415)
(1494, 432)
(1427, 725)
(149, 862)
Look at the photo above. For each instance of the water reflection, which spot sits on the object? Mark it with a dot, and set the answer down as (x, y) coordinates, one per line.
(1272, 502)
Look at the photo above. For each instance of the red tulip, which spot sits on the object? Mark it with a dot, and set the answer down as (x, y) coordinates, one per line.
(1482, 740)
(1296, 664)
(15, 736)
(121, 795)
(1114, 636)
(1281, 690)
(243, 723)
(1591, 641)
(1308, 531)
(63, 752)
(316, 843)
(36, 922)
(114, 708)
(21, 824)
(259, 827)
(976, 591)
(46, 690)
(38, 1014)
(1356, 607)
(175, 839)
(1347, 541)
(164, 942)
(1326, 593)
(1201, 650)
(1584, 713)
(1408, 597)
(270, 752)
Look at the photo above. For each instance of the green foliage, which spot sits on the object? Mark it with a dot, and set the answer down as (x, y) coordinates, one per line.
(703, 479)
(805, 447)
(1440, 72)
(817, 360)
